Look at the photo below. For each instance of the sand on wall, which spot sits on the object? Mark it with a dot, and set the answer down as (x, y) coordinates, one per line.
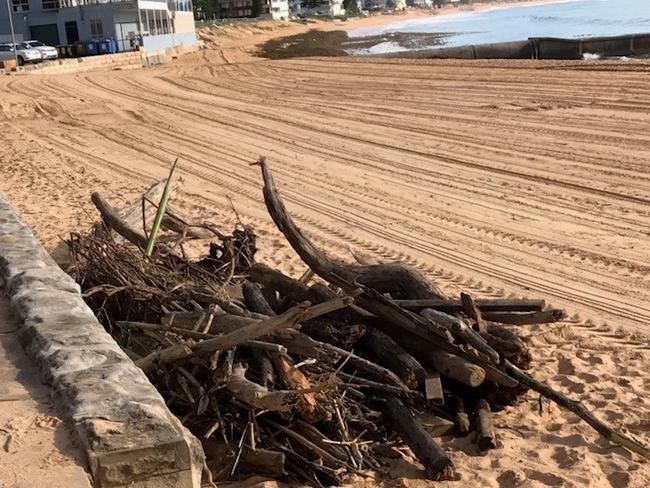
(498, 178)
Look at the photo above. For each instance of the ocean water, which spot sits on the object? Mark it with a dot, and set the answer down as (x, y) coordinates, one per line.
(571, 18)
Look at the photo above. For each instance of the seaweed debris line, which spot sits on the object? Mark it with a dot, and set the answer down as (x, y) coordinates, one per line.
(318, 377)
(418, 46)
(537, 48)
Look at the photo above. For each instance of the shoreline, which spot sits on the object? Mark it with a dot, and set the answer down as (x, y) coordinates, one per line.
(246, 42)
(386, 19)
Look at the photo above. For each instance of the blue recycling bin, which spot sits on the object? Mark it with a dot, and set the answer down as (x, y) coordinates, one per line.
(92, 48)
(107, 46)
(103, 46)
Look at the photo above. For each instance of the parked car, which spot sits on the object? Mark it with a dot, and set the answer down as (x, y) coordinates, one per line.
(23, 55)
(47, 52)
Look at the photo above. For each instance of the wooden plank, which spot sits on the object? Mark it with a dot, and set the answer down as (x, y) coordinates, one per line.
(433, 389)
(484, 305)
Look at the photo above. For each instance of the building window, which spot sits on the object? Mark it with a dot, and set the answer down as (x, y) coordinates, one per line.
(50, 4)
(20, 5)
(96, 28)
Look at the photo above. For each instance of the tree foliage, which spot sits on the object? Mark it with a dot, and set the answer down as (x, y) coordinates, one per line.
(351, 8)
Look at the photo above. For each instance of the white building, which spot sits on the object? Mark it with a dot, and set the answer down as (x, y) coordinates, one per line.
(332, 8)
(270, 9)
(154, 24)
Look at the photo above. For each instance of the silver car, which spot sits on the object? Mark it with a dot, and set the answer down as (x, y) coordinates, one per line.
(47, 52)
(9, 51)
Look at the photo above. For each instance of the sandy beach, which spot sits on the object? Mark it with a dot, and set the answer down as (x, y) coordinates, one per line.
(240, 41)
(526, 179)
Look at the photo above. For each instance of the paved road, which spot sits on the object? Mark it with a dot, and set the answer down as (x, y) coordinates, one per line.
(35, 447)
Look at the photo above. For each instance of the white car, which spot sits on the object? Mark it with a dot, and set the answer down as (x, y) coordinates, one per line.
(23, 55)
(47, 52)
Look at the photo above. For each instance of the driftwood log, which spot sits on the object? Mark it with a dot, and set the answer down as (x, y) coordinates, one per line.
(112, 219)
(484, 429)
(525, 318)
(385, 278)
(307, 404)
(462, 419)
(437, 464)
(255, 300)
(257, 395)
(402, 323)
(484, 305)
(461, 332)
(272, 279)
(394, 357)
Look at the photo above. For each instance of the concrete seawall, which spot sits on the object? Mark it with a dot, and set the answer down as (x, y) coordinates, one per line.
(129, 436)
(537, 48)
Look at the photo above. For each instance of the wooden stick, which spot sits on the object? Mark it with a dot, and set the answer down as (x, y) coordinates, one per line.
(255, 300)
(385, 278)
(293, 379)
(472, 311)
(437, 464)
(433, 388)
(275, 280)
(321, 440)
(265, 327)
(526, 318)
(113, 221)
(363, 364)
(344, 277)
(461, 419)
(580, 410)
(461, 332)
(252, 344)
(445, 363)
(457, 368)
(265, 368)
(172, 353)
(298, 343)
(306, 276)
(392, 356)
(359, 382)
(484, 430)
(484, 305)
(258, 396)
(327, 457)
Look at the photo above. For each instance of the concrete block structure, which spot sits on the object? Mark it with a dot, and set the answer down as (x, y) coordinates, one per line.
(129, 436)
(153, 24)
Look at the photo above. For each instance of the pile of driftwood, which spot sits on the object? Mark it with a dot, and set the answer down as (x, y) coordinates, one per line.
(314, 377)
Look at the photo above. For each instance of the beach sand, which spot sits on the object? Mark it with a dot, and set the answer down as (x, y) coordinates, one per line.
(241, 41)
(499, 178)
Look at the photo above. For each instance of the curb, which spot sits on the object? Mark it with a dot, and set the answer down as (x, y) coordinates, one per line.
(128, 434)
